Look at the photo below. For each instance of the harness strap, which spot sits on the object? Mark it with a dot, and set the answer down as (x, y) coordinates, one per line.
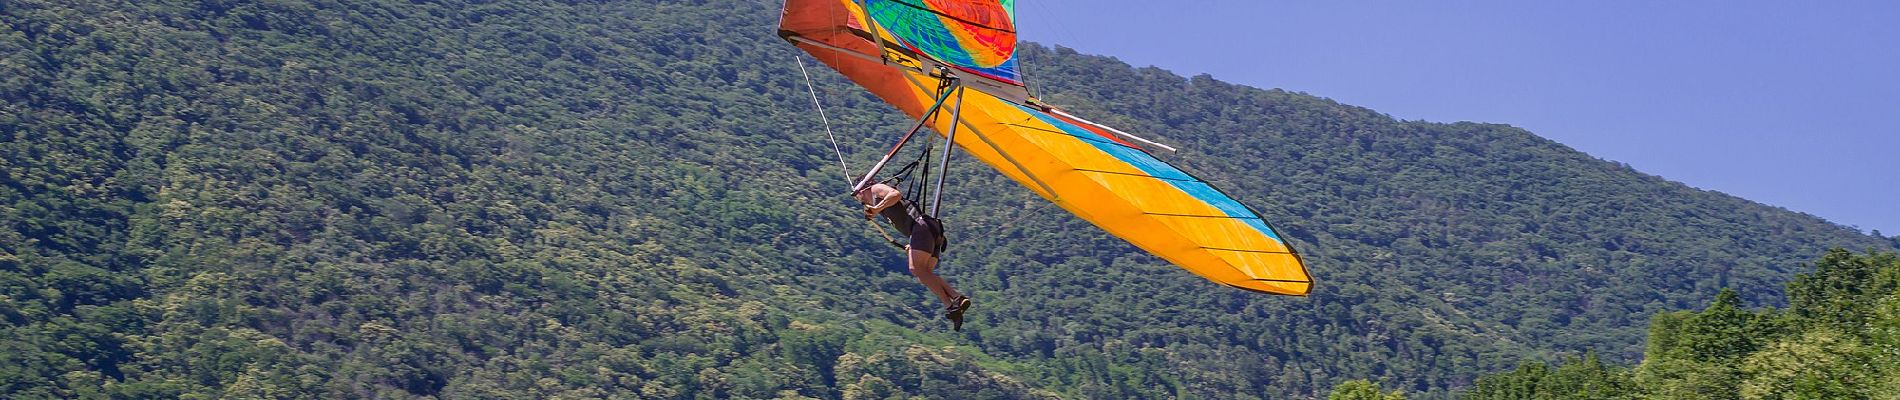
(880, 232)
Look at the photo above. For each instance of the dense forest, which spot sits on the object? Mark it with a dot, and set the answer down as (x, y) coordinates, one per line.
(634, 199)
(1838, 338)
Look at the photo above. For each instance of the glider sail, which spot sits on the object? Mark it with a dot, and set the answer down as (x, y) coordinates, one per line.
(973, 35)
(904, 50)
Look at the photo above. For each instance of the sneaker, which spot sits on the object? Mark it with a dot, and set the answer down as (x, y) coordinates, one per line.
(955, 312)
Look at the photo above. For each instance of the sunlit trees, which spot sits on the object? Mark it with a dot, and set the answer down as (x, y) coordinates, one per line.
(1836, 340)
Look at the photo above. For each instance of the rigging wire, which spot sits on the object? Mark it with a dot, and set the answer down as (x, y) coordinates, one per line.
(920, 188)
(842, 168)
(916, 186)
(1055, 33)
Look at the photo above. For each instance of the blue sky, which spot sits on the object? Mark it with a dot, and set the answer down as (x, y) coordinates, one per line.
(1793, 104)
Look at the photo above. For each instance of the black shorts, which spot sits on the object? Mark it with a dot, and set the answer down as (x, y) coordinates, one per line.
(928, 236)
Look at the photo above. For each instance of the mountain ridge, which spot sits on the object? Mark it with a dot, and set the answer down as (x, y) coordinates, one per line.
(523, 199)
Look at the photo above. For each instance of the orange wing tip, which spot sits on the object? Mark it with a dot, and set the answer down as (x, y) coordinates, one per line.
(1283, 288)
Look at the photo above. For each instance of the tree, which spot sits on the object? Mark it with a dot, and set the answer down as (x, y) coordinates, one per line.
(1843, 288)
(1819, 364)
(1581, 379)
(1361, 389)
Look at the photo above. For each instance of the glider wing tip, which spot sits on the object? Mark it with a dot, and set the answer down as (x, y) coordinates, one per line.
(1305, 290)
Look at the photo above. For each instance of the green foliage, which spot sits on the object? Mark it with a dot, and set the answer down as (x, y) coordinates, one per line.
(1726, 352)
(1586, 378)
(578, 199)
(1820, 364)
(1723, 332)
(1844, 290)
(1360, 389)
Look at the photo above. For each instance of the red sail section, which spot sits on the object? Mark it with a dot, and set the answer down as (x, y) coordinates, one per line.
(835, 28)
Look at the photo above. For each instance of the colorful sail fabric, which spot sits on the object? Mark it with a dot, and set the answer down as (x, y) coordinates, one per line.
(1078, 166)
(973, 35)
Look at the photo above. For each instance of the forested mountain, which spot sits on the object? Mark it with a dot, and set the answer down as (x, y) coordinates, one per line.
(530, 199)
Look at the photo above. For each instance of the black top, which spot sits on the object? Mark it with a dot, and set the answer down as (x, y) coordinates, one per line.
(899, 214)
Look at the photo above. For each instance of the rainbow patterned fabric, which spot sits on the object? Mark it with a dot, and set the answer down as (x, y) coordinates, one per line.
(978, 36)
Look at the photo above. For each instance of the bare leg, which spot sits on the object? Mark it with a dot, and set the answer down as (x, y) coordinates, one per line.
(924, 266)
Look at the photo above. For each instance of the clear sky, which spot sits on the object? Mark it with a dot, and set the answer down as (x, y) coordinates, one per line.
(1790, 103)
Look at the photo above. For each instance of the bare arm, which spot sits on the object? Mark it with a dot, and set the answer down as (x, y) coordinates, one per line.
(879, 197)
(889, 196)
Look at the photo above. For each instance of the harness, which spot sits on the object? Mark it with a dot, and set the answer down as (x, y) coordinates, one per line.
(915, 177)
(913, 210)
(916, 188)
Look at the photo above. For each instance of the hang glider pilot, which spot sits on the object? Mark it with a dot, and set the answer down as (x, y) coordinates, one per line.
(926, 243)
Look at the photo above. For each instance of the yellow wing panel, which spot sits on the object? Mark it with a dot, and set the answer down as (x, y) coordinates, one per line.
(1148, 207)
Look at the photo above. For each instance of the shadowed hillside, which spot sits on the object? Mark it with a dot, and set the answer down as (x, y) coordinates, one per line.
(502, 199)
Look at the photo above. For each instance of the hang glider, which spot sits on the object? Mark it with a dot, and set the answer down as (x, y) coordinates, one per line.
(921, 55)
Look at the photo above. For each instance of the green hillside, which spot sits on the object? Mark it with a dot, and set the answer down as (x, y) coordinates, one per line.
(534, 199)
